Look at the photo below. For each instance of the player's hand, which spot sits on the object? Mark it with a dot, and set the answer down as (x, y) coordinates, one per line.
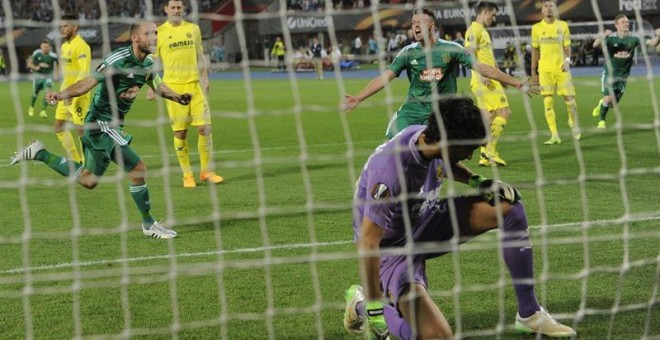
(657, 32)
(43, 65)
(185, 98)
(151, 94)
(529, 87)
(607, 33)
(376, 324)
(51, 98)
(349, 103)
(488, 188)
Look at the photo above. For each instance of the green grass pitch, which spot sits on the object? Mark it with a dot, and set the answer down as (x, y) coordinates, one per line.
(267, 254)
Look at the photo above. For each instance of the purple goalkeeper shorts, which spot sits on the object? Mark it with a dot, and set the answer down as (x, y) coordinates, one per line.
(394, 276)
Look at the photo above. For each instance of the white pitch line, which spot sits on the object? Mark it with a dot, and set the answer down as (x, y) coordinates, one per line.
(260, 249)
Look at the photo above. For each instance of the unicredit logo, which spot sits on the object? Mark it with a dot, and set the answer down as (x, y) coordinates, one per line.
(306, 22)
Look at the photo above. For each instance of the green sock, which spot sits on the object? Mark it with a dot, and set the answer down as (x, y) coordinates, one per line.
(61, 165)
(140, 194)
(603, 111)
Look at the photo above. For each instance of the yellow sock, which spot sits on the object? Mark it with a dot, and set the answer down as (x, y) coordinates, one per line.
(496, 129)
(571, 107)
(66, 139)
(82, 149)
(182, 154)
(205, 148)
(548, 104)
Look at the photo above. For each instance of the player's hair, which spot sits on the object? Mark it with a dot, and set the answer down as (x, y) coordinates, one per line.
(486, 6)
(72, 17)
(461, 120)
(134, 29)
(619, 16)
(45, 41)
(425, 11)
(544, 1)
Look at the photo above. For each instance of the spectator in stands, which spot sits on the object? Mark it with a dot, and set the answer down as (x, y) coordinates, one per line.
(317, 58)
(372, 46)
(357, 46)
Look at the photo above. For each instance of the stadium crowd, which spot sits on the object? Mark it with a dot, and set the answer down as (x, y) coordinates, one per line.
(42, 10)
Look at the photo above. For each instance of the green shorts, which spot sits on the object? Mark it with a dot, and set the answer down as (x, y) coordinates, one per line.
(108, 145)
(618, 88)
(41, 84)
(410, 113)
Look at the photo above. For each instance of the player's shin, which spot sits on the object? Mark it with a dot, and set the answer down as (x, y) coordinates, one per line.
(519, 259)
(548, 105)
(397, 325)
(496, 129)
(205, 149)
(61, 165)
(140, 194)
(183, 155)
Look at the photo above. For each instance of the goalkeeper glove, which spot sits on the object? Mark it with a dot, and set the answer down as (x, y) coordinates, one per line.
(377, 327)
(487, 186)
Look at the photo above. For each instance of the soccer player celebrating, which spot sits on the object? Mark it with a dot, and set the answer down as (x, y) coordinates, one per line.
(184, 70)
(76, 60)
(621, 49)
(43, 64)
(426, 77)
(120, 77)
(489, 93)
(551, 68)
(397, 205)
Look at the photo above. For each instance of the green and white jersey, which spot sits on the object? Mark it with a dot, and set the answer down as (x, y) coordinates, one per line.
(39, 58)
(440, 73)
(120, 77)
(621, 52)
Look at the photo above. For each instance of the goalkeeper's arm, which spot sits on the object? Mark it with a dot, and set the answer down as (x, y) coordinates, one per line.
(368, 251)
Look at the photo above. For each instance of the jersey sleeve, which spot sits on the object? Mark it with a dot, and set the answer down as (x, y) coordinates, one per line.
(103, 70)
(463, 56)
(567, 34)
(535, 37)
(399, 63)
(470, 39)
(84, 61)
(381, 197)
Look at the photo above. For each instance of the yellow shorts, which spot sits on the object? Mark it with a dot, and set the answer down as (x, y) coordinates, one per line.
(560, 81)
(489, 98)
(75, 111)
(197, 113)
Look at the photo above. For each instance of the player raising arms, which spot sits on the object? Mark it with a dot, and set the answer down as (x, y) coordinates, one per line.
(43, 64)
(489, 93)
(621, 49)
(76, 60)
(551, 52)
(393, 208)
(120, 77)
(426, 77)
(184, 70)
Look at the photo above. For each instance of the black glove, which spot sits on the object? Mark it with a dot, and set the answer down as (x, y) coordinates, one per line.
(185, 99)
(488, 188)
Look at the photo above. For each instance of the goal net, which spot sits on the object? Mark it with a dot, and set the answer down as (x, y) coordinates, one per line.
(269, 252)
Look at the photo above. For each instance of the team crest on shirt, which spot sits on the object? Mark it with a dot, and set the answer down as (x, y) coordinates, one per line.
(439, 172)
(189, 35)
(380, 191)
(446, 58)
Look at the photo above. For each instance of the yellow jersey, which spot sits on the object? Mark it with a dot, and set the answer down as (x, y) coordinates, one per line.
(551, 39)
(177, 48)
(76, 60)
(478, 39)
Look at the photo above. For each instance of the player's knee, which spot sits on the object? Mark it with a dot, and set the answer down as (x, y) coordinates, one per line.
(548, 102)
(88, 181)
(181, 134)
(138, 174)
(515, 218)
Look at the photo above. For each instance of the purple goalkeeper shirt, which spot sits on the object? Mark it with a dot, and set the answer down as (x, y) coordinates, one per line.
(386, 177)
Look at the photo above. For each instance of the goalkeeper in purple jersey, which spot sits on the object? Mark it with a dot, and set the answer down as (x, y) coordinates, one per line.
(620, 47)
(397, 202)
(431, 65)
